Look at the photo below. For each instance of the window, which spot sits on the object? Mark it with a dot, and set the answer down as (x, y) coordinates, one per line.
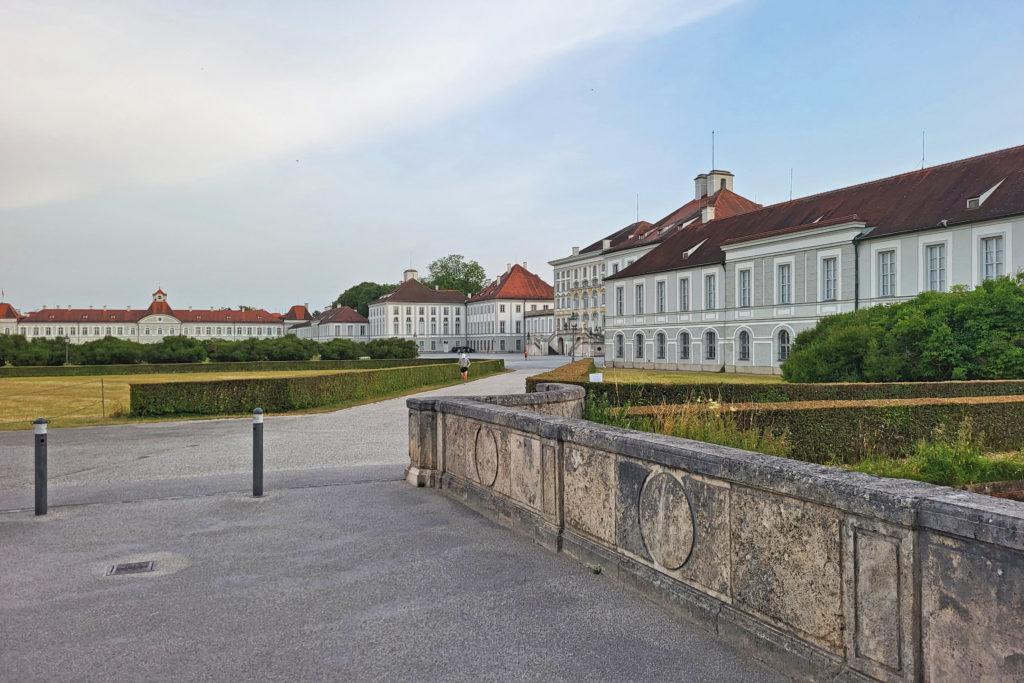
(785, 295)
(60, 331)
(659, 345)
(744, 288)
(615, 268)
(936, 254)
(783, 345)
(501, 345)
(519, 308)
(743, 352)
(501, 308)
(887, 273)
(684, 346)
(684, 294)
(619, 295)
(620, 346)
(638, 346)
(991, 257)
(828, 280)
(709, 292)
(659, 296)
(639, 299)
(108, 331)
(501, 327)
(710, 345)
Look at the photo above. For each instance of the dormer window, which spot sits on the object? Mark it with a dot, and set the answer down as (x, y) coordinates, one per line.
(974, 202)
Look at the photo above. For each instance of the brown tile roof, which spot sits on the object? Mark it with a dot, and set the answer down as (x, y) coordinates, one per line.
(8, 311)
(258, 316)
(919, 200)
(414, 291)
(343, 314)
(516, 283)
(726, 202)
(297, 313)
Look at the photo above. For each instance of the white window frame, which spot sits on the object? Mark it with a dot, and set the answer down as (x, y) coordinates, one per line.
(659, 296)
(776, 270)
(926, 266)
(710, 293)
(824, 256)
(876, 276)
(684, 301)
(744, 298)
(998, 265)
(638, 298)
(739, 346)
(886, 278)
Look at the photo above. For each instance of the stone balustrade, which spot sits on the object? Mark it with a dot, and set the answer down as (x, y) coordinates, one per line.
(818, 571)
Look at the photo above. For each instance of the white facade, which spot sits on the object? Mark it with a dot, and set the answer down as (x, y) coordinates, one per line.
(433, 319)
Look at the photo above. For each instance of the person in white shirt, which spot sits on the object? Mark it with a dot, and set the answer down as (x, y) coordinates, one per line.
(464, 366)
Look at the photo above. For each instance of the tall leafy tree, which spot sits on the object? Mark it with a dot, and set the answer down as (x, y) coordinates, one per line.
(359, 296)
(455, 272)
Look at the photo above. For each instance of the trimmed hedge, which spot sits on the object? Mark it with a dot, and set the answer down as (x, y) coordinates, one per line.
(643, 394)
(231, 397)
(251, 366)
(847, 432)
(570, 373)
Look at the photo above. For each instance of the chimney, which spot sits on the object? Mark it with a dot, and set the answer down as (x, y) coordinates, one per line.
(606, 244)
(90, 307)
(508, 267)
(707, 213)
(305, 305)
(128, 308)
(410, 274)
(69, 307)
(719, 180)
(104, 307)
(524, 265)
(700, 186)
(575, 251)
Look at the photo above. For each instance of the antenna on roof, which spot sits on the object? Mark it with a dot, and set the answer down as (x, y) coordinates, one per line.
(790, 183)
(637, 207)
(922, 150)
(712, 151)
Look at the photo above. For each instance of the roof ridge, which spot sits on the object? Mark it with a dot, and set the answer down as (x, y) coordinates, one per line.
(900, 175)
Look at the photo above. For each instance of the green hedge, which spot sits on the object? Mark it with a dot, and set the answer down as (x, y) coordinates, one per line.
(252, 366)
(231, 397)
(847, 433)
(645, 394)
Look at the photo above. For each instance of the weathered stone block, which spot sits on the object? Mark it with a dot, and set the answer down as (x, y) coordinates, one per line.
(786, 564)
(972, 598)
(590, 493)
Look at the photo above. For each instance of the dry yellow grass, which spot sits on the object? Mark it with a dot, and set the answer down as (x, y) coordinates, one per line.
(78, 401)
(670, 377)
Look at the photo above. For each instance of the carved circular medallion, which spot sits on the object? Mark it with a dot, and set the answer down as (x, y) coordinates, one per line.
(485, 456)
(666, 520)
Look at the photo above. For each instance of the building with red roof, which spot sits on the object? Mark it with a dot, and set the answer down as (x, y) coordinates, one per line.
(432, 317)
(342, 322)
(580, 297)
(734, 292)
(147, 325)
(496, 314)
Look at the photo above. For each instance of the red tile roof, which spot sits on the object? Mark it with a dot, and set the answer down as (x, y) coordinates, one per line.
(297, 313)
(516, 283)
(919, 200)
(8, 311)
(414, 291)
(726, 202)
(343, 314)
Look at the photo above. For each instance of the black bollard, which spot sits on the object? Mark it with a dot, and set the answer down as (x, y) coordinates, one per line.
(40, 433)
(257, 452)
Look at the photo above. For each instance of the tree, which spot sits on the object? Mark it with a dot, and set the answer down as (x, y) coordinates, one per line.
(454, 272)
(392, 347)
(359, 296)
(176, 350)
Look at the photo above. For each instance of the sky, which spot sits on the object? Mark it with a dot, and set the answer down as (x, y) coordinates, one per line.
(266, 154)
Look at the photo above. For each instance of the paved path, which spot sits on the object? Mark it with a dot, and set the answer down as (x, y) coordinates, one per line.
(342, 572)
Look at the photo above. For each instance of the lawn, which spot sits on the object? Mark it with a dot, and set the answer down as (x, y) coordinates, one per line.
(624, 376)
(78, 401)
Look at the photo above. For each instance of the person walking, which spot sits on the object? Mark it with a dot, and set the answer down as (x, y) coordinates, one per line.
(464, 366)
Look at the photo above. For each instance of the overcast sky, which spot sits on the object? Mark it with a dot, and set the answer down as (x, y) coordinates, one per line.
(265, 153)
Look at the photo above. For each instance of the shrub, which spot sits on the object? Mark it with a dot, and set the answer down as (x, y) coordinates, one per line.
(176, 350)
(342, 349)
(230, 397)
(39, 352)
(962, 334)
(392, 347)
(109, 350)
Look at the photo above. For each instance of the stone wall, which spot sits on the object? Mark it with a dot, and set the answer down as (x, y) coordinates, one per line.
(815, 570)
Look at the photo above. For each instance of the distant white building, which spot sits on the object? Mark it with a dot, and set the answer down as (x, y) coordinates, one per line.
(334, 323)
(152, 324)
(433, 318)
(497, 313)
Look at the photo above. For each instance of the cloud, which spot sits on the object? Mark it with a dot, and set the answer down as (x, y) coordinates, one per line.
(102, 96)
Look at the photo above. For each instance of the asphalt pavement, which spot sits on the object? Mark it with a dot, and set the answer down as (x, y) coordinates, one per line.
(341, 572)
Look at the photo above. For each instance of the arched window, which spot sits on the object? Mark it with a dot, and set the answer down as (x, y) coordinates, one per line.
(743, 352)
(783, 344)
(620, 346)
(710, 345)
(638, 346)
(659, 345)
(684, 346)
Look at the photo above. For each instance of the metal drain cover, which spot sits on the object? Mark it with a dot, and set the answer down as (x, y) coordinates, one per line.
(131, 568)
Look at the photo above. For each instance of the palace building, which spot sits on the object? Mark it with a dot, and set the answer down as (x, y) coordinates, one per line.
(148, 325)
(497, 314)
(732, 293)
